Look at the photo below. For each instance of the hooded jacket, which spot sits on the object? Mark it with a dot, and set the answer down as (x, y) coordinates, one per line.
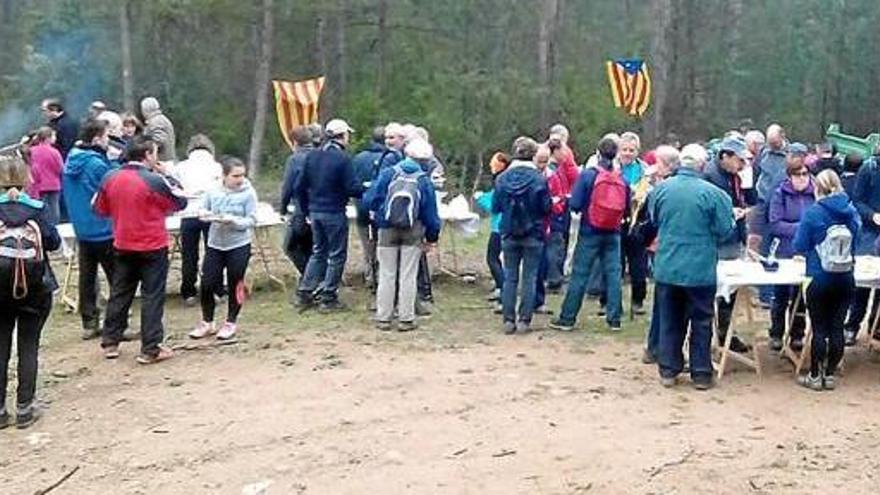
(241, 206)
(374, 198)
(81, 179)
(770, 168)
(581, 196)
(866, 199)
(160, 128)
(20, 211)
(835, 209)
(787, 208)
(46, 165)
(366, 168)
(561, 182)
(66, 130)
(522, 177)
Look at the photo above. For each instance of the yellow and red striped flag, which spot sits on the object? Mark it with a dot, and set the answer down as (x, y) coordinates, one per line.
(296, 103)
(630, 85)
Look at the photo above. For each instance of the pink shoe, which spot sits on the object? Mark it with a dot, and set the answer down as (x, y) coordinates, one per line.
(202, 330)
(227, 332)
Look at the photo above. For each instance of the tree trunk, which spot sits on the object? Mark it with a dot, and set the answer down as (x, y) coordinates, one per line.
(341, 48)
(262, 90)
(659, 63)
(125, 46)
(382, 42)
(734, 21)
(546, 62)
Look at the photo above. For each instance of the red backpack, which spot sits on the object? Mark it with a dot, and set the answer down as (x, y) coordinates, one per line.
(607, 201)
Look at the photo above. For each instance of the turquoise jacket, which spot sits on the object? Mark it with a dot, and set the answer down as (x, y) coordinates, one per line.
(485, 203)
(693, 218)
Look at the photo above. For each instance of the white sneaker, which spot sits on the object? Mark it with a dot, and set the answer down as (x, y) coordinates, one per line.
(202, 330)
(227, 331)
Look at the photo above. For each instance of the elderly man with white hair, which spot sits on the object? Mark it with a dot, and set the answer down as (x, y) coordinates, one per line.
(693, 218)
(755, 144)
(769, 168)
(405, 208)
(159, 127)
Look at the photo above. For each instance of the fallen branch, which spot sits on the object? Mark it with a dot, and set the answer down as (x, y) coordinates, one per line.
(58, 483)
(684, 458)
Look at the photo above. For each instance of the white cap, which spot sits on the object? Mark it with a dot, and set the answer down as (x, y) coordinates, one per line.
(419, 149)
(337, 127)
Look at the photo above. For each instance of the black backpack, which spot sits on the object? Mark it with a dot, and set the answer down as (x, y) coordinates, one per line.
(22, 263)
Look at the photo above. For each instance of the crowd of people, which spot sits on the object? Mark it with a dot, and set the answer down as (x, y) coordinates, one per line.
(668, 213)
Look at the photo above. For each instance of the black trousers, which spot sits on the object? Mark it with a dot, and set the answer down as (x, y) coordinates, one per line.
(493, 259)
(298, 243)
(90, 255)
(828, 300)
(235, 263)
(423, 282)
(859, 308)
(635, 260)
(27, 317)
(192, 233)
(149, 270)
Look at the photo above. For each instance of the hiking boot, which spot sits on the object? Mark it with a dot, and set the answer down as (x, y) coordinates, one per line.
(829, 382)
(560, 325)
(849, 337)
(111, 352)
(797, 345)
(202, 330)
(703, 383)
(543, 310)
(499, 309)
(810, 382)
(648, 358)
(385, 326)
(407, 326)
(27, 416)
(738, 346)
(523, 327)
(332, 306)
(90, 333)
(164, 354)
(774, 344)
(5, 420)
(638, 308)
(668, 381)
(601, 312)
(227, 331)
(509, 328)
(302, 301)
(554, 289)
(614, 327)
(424, 308)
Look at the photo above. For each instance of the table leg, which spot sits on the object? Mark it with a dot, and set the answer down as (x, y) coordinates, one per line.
(71, 304)
(260, 239)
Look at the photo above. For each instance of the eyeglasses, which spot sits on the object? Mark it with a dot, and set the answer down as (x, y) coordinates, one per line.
(800, 174)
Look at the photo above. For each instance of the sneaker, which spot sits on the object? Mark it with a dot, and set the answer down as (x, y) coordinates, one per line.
(499, 309)
(560, 325)
(849, 338)
(774, 344)
(797, 345)
(554, 289)
(509, 328)
(668, 381)
(227, 331)
(407, 326)
(385, 326)
(164, 354)
(638, 308)
(614, 327)
(810, 382)
(543, 310)
(648, 358)
(302, 301)
(493, 296)
(523, 327)
(111, 352)
(190, 302)
(27, 416)
(424, 308)
(738, 346)
(5, 420)
(90, 333)
(601, 313)
(202, 330)
(703, 383)
(829, 382)
(332, 306)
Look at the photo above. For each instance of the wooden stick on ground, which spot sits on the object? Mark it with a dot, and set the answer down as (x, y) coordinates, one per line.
(58, 483)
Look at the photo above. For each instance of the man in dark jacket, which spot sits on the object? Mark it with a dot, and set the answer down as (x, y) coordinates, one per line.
(366, 168)
(323, 189)
(866, 199)
(298, 236)
(66, 128)
(723, 172)
(138, 197)
(523, 199)
(594, 192)
(86, 166)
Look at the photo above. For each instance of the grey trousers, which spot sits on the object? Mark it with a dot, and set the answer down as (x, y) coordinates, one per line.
(398, 252)
(366, 234)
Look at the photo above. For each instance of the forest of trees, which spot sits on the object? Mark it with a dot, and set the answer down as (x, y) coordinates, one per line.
(474, 72)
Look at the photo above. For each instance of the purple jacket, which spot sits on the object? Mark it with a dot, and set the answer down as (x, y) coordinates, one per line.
(787, 207)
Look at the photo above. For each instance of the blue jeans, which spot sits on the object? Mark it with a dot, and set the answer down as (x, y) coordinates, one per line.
(330, 249)
(526, 253)
(679, 306)
(493, 259)
(540, 280)
(557, 250)
(603, 249)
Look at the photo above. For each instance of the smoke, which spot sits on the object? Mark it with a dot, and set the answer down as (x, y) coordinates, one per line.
(14, 123)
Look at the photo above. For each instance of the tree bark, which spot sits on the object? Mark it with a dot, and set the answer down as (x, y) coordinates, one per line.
(261, 89)
(125, 47)
(382, 42)
(546, 27)
(341, 47)
(659, 63)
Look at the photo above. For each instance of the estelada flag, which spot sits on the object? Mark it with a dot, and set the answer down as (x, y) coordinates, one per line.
(296, 103)
(630, 85)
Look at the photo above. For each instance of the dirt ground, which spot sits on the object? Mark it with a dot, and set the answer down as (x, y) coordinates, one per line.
(307, 403)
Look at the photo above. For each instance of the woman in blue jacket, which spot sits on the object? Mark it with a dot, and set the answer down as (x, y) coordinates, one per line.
(826, 236)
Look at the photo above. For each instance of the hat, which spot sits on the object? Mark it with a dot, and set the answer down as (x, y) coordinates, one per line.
(737, 147)
(337, 127)
(149, 106)
(798, 149)
(419, 149)
(98, 106)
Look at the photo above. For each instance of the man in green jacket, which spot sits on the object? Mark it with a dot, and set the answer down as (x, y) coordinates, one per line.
(692, 217)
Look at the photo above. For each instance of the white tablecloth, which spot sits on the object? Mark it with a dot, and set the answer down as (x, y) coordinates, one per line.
(733, 274)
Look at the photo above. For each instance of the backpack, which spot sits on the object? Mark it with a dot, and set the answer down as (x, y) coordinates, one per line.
(518, 213)
(403, 199)
(607, 201)
(21, 260)
(835, 251)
